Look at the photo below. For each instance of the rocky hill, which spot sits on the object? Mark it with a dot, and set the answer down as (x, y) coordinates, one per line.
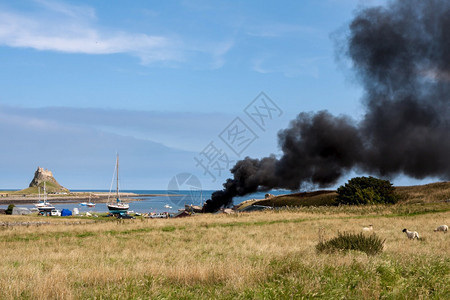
(43, 175)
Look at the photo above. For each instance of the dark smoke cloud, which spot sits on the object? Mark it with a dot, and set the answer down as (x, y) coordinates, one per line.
(401, 55)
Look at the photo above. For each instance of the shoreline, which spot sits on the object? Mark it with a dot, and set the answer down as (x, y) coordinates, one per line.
(73, 198)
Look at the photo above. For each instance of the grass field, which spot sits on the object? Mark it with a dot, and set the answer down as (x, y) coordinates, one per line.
(260, 255)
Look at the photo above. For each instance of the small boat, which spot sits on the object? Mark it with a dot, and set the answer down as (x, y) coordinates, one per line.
(118, 205)
(88, 204)
(167, 206)
(44, 205)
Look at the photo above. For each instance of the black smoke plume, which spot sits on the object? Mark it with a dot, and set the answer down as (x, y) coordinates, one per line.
(401, 56)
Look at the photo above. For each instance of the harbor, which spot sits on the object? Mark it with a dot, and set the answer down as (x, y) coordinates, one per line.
(144, 201)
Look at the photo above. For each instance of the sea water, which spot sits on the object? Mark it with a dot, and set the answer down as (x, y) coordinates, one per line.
(162, 201)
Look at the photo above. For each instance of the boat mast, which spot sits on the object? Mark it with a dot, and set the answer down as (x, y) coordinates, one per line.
(117, 183)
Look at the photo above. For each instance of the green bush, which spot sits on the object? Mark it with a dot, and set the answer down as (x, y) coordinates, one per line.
(370, 244)
(366, 190)
(9, 210)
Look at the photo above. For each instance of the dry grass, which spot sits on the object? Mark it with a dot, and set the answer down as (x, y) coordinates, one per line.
(318, 198)
(433, 192)
(429, 193)
(249, 255)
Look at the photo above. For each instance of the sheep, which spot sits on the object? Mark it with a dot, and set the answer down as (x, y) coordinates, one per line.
(368, 228)
(411, 234)
(443, 228)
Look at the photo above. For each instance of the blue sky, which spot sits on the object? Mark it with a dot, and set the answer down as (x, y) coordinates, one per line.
(157, 81)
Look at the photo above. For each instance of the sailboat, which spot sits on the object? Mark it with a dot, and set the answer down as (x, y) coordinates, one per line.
(88, 204)
(44, 206)
(117, 206)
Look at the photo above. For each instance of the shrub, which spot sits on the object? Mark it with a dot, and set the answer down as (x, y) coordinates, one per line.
(370, 244)
(9, 210)
(366, 190)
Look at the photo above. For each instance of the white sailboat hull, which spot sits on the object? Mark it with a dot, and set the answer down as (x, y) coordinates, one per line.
(46, 207)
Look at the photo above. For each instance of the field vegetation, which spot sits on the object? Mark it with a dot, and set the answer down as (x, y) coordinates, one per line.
(433, 192)
(429, 193)
(367, 190)
(259, 255)
(369, 244)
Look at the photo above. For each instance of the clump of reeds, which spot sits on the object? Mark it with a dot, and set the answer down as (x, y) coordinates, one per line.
(370, 244)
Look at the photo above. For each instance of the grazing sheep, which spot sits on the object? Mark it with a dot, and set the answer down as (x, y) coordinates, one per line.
(368, 228)
(443, 228)
(411, 234)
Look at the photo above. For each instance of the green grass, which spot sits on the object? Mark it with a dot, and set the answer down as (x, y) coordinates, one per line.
(168, 228)
(369, 244)
(291, 279)
(49, 186)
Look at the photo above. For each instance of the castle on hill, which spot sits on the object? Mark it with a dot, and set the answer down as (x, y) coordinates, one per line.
(44, 172)
(44, 175)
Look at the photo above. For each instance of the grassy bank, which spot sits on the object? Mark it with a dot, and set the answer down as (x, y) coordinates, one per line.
(429, 193)
(242, 256)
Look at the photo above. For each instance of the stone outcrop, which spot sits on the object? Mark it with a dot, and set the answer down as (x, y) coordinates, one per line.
(43, 175)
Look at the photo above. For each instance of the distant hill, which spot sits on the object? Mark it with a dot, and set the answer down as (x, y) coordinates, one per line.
(51, 185)
(317, 198)
(433, 192)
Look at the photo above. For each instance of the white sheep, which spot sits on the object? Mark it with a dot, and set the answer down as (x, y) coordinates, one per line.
(411, 234)
(443, 228)
(368, 228)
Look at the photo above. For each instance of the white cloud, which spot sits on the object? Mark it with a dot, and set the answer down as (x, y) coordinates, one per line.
(72, 29)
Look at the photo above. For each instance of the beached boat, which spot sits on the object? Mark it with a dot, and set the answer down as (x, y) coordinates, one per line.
(118, 205)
